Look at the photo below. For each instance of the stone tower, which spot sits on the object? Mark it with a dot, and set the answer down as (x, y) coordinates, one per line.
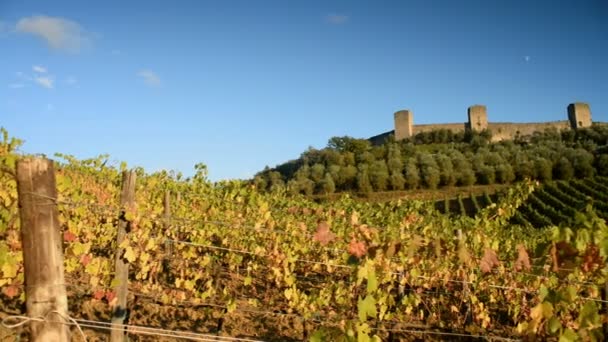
(579, 115)
(478, 118)
(404, 124)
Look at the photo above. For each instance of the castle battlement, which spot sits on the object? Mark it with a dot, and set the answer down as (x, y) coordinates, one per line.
(579, 116)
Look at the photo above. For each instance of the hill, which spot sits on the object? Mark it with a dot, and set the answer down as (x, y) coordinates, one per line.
(440, 159)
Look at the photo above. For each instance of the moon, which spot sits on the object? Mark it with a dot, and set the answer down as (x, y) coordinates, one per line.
(527, 58)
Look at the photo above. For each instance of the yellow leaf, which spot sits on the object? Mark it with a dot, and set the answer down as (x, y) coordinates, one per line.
(130, 254)
(9, 270)
(542, 310)
(189, 285)
(124, 244)
(150, 245)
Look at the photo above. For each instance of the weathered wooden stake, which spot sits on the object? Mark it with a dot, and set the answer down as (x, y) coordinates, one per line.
(167, 223)
(42, 249)
(167, 208)
(605, 305)
(127, 202)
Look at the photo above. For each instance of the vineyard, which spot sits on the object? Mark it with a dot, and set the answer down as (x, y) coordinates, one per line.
(552, 204)
(224, 260)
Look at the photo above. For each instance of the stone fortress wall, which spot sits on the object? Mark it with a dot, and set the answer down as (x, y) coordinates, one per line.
(579, 116)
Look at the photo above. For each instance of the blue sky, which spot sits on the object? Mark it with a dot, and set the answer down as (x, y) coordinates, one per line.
(239, 85)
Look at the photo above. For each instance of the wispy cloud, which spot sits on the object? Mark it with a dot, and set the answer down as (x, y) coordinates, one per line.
(39, 69)
(16, 85)
(45, 81)
(71, 80)
(150, 78)
(59, 33)
(115, 52)
(336, 19)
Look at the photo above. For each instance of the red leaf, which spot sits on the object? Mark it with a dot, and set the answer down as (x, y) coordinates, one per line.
(69, 236)
(357, 248)
(562, 253)
(10, 291)
(99, 294)
(592, 258)
(523, 259)
(110, 295)
(323, 234)
(489, 261)
(86, 259)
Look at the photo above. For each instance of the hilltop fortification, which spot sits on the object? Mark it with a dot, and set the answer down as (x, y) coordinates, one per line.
(579, 116)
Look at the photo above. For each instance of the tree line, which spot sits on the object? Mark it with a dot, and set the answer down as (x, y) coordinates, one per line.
(440, 158)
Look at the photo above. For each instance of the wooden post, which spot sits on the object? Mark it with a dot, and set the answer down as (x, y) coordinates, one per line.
(42, 249)
(167, 219)
(168, 245)
(167, 208)
(605, 305)
(127, 201)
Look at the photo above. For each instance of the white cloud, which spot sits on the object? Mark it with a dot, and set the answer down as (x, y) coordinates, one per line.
(16, 85)
(336, 19)
(59, 33)
(22, 76)
(39, 69)
(46, 82)
(71, 80)
(150, 78)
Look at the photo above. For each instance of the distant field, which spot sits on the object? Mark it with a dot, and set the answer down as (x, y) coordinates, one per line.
(553, 203)
(420, 194)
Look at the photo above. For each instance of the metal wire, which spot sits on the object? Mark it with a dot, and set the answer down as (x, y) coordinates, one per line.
(132, 329)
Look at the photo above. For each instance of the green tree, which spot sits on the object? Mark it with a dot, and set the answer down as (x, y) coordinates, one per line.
(602, 165)
(446, 168)
(463, 169)
(348, 177)
(327, 186)
(349, 158)
(260, 182)
(524, 167)
(504, 173)
(365, 157)
(486, 174)
(563, 169)
(378, 175)
(582, 162)
(348, 144)
(335, 171)
(396, 181)
(412, 174)
(544, 169)
(305, 186)
(363, 182)
(429, 172)
(275, 181)
(317, 171)
(394, 159)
